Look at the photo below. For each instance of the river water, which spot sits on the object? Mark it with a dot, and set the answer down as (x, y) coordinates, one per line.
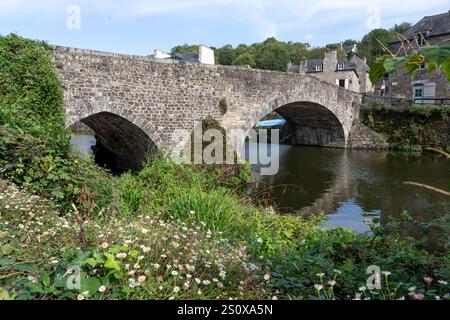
(346, 184)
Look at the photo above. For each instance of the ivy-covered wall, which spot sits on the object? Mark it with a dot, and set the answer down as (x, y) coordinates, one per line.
(409, 127)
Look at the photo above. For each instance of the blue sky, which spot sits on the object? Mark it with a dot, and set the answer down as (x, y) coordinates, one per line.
(140, 26)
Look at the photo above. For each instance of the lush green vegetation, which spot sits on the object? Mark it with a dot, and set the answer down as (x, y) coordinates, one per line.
(171, 231)
(408, 128)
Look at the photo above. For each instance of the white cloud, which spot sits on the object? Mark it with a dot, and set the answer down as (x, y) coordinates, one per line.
(266, 17)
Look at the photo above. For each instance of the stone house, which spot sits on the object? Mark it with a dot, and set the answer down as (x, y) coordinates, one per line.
(205, 55)
(423, 86)
(350, 74)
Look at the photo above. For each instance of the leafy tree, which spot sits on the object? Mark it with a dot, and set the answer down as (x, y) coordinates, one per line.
(245, 59)
(371, 48)
(185, 48)
(401, 28)
(350, 42)
(272, 55)
(226, 55)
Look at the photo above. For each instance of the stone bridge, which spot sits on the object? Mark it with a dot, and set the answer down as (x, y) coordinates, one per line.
(135, 104)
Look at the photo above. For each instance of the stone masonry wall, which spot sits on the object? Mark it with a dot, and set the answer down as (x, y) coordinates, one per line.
(161, 98)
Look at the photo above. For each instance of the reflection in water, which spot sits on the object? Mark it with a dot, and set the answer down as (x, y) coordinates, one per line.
(346, 184)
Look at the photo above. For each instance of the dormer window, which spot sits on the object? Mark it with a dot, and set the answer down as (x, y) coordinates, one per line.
(319, 67)
(340, 66)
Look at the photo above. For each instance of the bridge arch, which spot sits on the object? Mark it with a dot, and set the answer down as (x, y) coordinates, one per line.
(121, 145)
(311, 122)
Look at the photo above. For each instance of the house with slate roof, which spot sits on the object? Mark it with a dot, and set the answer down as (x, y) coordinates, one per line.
(424, 87)
(205, 55)
(350, 74)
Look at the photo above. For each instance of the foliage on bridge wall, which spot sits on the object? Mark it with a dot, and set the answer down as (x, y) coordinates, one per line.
(34, 143)
(409, 127)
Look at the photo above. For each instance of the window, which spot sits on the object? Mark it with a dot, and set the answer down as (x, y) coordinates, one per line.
(418, 93)
(340, 66)
(319, 67)
(420, 39)
(418, 90)
(342, 83)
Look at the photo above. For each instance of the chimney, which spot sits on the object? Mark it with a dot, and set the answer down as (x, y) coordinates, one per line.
(206, 55)
(303, 65)
(330, 61)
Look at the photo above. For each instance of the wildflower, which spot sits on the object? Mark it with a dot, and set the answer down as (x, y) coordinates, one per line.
(141, 279)
(318, 287)
(206, 282)
(222, 274)
(102, 289)
(386, 273)
(176, 289)
(121, 255)
(332, 283)
(412, 289)
(363, 288)
(80, 297)
(192, 212)
(419, 296)
(55, 261)
(144, 231)
(259, 240)
(136, 266)
(442, 282)
(220, 285)
(104, 245)
(320, 275)
(266, 276)
(145, 249)
(156, 266)
(428, 280)
(274, 298)
(187, 285)
(337, 271)
(174, 273)
(198, 281)
(199, 292)
(140, 258)
(357, 296)
(215, 280)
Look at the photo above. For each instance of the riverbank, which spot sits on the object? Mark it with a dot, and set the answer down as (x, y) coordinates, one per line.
(199, 245)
